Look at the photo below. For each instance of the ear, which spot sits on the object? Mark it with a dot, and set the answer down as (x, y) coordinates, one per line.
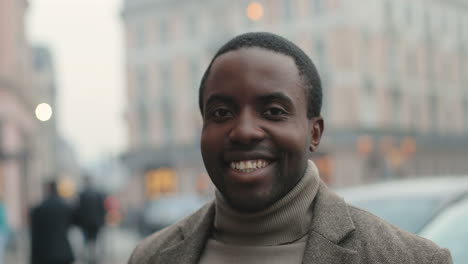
(316, 131)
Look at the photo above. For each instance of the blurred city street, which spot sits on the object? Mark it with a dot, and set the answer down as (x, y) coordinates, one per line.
(110, 106)
(115, 247)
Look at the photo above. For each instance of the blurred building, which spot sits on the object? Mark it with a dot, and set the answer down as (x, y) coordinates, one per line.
(18, 125)
(28, 147)
(45, 88)
(394, 74)
(57, 158)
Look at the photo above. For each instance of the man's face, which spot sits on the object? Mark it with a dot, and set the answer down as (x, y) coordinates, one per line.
(256, 134)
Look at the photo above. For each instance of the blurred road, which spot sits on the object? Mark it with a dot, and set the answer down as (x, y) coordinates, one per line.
(115, 247)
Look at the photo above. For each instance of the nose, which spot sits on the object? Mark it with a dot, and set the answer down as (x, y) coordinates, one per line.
(246, 129)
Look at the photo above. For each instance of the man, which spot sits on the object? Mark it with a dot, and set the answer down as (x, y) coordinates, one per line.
(50, 222)
(260, 99)
(90, 217)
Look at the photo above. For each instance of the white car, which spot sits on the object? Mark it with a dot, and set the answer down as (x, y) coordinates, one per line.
(449, 229)
(410, 203)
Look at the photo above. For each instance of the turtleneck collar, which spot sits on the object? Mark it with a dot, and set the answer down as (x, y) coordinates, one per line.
(285, 221)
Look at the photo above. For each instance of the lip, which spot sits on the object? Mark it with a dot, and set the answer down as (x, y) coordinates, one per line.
(244, 156)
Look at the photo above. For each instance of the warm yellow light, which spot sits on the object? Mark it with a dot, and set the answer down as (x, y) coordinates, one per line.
(365, 144)
(254, 11)
(43, 112)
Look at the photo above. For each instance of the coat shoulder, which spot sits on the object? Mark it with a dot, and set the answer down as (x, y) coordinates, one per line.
(166, 237)
(382, 242)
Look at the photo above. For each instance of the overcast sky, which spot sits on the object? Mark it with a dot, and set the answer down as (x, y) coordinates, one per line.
(85, 39)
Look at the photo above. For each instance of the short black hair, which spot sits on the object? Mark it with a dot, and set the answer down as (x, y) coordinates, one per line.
(270, 41)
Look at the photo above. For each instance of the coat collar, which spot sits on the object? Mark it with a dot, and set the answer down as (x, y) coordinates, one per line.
(193, 237)
(331, 223)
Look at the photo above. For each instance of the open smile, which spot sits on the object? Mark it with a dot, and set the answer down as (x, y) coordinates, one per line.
(247, 166)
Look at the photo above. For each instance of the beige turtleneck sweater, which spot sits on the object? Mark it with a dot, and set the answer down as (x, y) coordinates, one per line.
(277, 234)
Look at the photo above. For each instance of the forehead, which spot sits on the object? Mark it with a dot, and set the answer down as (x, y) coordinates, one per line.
(256, 68)
(255, 59)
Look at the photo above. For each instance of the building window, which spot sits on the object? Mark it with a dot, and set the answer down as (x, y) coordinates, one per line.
(195, 80)
(411, 64)
(321, 65)
(320, 53)
(388, 12)
(143, 124)
(166, 104)
(408, 14)
(465, 114)
(365, 47)
(415, 115)
(369, 106)
(317, 6)
(163, 31)
(2, 153)
(427, 25)
(443, 22)
(142, 83)
(433, 109)
(287, 10)
(140, 36)
(192, 24)
(392, 59)
(142, 104)
(395, 95)
(460, 31)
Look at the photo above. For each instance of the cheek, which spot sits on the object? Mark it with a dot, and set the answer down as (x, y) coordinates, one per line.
(294, 141)
(211, 142)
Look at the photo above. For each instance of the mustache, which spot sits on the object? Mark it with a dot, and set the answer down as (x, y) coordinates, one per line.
(248, 148)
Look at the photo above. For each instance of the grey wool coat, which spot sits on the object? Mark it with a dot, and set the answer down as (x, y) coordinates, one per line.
(339, 233)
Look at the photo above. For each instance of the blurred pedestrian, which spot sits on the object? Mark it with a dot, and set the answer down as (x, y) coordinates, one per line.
(50, 222)
(4, 232)
(90, 217)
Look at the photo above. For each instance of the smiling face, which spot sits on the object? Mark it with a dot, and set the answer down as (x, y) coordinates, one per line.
(256, 134)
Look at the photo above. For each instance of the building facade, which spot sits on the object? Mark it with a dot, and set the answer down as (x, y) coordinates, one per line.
(31, 151)
(58, 159)
(394, 77)
(18, 126)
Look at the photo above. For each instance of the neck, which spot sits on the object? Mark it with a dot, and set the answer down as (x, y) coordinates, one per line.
(285, 221)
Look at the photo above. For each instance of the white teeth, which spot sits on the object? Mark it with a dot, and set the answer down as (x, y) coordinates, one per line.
(248, 165)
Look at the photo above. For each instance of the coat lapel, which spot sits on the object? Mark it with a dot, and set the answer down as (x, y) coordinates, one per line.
(190, 247)
(331, 223)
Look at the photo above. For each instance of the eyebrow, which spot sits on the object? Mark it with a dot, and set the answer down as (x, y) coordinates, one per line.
(219, 98)
(276, 96)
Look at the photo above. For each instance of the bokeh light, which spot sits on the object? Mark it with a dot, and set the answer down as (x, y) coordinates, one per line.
(43, 112)
(254, 11)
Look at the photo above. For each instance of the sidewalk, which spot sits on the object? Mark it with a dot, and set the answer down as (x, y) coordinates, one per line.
(116, 245)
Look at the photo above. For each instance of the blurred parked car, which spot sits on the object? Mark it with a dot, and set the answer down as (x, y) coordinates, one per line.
(166, 210)
(409, 203)
(449, 229)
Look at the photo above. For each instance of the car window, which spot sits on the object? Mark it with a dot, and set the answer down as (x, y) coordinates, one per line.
(409, 213)
(450, 230)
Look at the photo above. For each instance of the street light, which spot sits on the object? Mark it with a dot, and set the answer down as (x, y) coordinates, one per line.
(43, 112)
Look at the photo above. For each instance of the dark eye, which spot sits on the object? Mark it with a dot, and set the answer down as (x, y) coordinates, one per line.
(274, 113)
(221, 114)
